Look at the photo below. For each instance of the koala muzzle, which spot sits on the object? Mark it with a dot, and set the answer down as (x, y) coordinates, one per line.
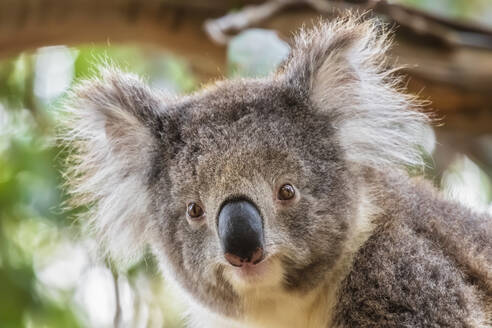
(241, 233)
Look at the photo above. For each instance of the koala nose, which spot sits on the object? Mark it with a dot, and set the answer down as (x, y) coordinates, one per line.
(241, 233)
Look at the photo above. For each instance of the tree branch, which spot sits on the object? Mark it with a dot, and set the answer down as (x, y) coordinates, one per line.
(455, 74)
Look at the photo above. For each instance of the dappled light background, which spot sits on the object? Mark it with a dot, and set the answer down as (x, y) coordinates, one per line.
(50, 272)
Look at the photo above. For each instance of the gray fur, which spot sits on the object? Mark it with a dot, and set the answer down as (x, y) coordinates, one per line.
(361, 244)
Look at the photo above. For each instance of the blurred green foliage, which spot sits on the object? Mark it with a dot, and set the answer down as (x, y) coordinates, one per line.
(33, 224)
(476, 11)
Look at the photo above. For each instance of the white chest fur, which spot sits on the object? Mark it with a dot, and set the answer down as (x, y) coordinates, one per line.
(278, 309)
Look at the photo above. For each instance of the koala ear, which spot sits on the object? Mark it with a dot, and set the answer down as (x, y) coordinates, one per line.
(341, 68)
(115, 125)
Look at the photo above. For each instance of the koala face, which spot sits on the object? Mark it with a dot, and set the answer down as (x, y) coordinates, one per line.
(248, 185)
(268, 176)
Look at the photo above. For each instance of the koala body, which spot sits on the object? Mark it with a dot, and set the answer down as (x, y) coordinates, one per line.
(281, 201)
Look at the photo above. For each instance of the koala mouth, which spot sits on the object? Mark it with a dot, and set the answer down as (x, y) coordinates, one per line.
(251, 272)
(268, 273)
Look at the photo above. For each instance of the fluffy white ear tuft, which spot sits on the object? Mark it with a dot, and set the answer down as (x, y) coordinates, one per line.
(111, 125)
(343, 69)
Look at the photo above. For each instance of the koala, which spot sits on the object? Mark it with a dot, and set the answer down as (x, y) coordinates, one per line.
(283, 201)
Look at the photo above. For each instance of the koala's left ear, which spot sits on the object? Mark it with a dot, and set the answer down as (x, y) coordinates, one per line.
(115, 125)
(340, 67)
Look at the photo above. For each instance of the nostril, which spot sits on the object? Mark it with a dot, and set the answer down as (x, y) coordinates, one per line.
(237, 261)
(257, 256)
(233, 259)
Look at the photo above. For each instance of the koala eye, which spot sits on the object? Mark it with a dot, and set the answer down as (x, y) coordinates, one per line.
(194, 210)
(286, 192)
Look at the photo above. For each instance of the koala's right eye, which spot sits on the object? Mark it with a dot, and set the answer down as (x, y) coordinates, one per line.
(286, 192)
(194, 211)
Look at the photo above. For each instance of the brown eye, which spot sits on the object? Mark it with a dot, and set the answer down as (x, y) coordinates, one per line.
(286, 192)
(194, 210)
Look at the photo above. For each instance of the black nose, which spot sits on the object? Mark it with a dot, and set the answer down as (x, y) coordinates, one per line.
(241, 233)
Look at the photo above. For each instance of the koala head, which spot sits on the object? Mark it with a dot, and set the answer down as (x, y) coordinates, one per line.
(249, 184)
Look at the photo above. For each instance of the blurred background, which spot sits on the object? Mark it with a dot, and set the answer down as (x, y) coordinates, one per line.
(50, 271)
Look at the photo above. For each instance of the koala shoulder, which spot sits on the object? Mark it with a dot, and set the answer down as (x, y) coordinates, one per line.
(422, 266)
